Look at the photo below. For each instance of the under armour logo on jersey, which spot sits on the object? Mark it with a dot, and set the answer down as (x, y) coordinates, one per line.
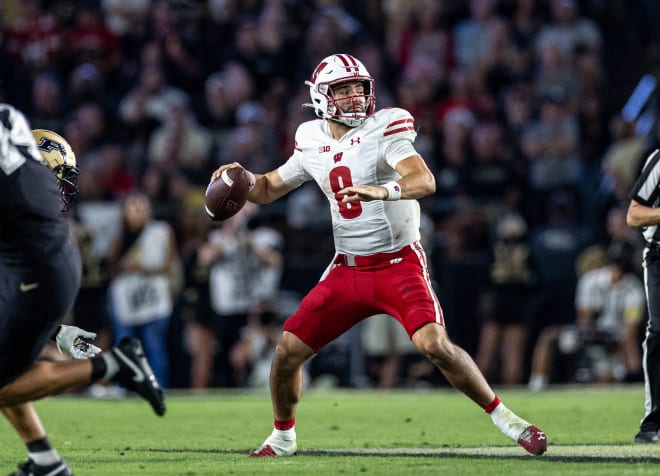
(355, 140)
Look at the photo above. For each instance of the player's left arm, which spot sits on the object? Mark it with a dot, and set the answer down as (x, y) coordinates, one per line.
(416, 181)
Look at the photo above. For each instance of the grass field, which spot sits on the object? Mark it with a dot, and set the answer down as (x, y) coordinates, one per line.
(346, 432)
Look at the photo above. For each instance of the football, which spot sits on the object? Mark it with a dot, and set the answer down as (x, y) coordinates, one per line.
(226, 195)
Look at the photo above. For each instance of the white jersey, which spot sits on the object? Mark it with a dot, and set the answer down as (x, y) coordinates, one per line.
(366, 155)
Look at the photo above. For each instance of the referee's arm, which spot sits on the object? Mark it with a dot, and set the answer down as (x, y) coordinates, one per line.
(641, 215)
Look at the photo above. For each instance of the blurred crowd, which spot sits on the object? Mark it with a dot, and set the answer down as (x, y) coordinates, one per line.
(518, 107)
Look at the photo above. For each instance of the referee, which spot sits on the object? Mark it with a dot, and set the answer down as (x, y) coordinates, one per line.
(644, 211)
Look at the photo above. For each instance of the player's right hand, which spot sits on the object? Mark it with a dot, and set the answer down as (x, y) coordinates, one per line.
(251, 178)
(219, 170)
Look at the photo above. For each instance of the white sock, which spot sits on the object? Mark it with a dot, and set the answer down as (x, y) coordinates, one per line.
(44, 458)
(285, 435)
(111, 364)
(508, 422)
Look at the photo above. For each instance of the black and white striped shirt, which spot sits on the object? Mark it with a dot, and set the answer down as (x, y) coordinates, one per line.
(646, 191)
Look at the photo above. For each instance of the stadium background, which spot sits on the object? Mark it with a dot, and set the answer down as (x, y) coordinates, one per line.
(228, 76)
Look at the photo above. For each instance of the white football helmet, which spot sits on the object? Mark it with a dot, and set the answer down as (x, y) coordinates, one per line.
(333, 70)
(58, 155)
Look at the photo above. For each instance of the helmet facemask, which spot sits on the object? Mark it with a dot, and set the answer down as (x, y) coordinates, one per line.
(67, 177)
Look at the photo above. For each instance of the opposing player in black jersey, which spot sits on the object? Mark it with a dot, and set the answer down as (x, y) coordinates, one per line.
(39, 280)
(644, 211)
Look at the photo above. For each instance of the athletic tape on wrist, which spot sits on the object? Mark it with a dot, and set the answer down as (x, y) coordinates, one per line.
(252, 180)
(393, 191)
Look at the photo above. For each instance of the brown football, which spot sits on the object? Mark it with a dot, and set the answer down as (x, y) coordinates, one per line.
(226, 195)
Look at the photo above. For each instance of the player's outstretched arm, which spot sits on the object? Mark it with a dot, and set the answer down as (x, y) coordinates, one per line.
(264, 188)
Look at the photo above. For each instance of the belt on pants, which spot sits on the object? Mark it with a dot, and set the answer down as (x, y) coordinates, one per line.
(377, 258)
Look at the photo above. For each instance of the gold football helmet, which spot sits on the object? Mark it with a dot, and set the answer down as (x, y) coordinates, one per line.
(60, 158)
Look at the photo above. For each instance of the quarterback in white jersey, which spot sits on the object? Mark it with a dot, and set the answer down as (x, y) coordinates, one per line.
(366, 154)
(366, 165)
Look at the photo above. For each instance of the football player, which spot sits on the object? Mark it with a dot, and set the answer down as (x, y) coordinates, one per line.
(40, 270)
(365, 163)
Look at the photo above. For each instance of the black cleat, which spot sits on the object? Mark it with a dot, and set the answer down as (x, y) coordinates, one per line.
(135, 373)
(30, 468)
(648, 433)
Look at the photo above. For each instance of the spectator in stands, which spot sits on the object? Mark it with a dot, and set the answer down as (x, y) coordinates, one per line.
(34, 40)
(195, 303)
(426, 35)
(622, 160)
(90, 41)
(253, 140)
(245, 267)
(253, 352)
(180, 143)
(251, 49)
(147, 104)
(610, 305)
(452, 161)
(473, 36)
(493, 171)
(143, 265)
(504, 330)
(555, 247)
(550, 145)
(47, 109)
(516, 114)
(568, 29)
(124, 17)
(525, 23)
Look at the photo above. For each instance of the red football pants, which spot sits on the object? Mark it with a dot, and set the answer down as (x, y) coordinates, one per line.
(357, 287)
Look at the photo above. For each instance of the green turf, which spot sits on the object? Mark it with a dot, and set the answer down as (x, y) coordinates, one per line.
(346, 432)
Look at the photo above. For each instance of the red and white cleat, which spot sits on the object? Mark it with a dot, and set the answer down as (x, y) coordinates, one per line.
(264, 451)
(533, 440)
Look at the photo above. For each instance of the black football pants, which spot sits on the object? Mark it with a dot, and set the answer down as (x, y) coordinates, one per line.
(651, 345)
